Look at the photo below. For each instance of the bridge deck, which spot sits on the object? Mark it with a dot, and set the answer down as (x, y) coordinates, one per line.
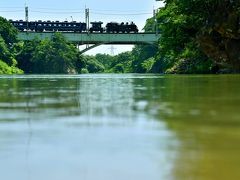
(95, 38)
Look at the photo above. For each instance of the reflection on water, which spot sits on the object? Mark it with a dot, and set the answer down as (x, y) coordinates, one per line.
(119, 127)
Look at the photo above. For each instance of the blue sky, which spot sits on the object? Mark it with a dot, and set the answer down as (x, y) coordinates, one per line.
(100, 10)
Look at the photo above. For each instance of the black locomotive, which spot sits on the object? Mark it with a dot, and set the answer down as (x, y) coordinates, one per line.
(51, 26)
(114, 27)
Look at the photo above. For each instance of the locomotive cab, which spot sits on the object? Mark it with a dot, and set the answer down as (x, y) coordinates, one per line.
(96, 27)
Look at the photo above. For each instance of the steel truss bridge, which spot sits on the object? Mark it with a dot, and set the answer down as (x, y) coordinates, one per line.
(96, 39)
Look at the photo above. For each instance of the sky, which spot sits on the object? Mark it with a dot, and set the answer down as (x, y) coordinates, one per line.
(100, 10)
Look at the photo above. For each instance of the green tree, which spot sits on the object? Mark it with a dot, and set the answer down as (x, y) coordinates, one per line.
(92, 65)
(122, 63)
(5, 53)
(24, 57)
(7, 57)
(140, 54)
(55, 56)
(206, 30)
(8, 32)
(105, 59)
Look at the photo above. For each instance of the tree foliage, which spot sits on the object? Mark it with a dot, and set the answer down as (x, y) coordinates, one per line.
(7, 31)
(93, 65)
(55, 56)
(199, 33)
(105, 59)
(7, 57)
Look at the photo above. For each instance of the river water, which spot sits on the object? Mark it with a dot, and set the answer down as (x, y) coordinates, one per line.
(119, 127)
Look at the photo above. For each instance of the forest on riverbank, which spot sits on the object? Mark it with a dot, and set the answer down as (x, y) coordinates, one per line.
(196, 37)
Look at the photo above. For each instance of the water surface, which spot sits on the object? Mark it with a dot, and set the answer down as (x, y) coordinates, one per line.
(115, 127)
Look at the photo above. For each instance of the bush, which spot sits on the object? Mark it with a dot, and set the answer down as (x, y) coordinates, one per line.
(5, 69)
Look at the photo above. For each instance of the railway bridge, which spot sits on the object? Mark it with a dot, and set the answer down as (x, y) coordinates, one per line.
(96, 39)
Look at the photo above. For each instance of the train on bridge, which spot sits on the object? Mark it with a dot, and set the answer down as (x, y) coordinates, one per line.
(78, 27)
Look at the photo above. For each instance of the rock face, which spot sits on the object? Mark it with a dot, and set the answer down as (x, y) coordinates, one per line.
(220, 38)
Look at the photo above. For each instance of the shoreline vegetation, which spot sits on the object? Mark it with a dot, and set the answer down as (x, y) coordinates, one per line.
(196, 38)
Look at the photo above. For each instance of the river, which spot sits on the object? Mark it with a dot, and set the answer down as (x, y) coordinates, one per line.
(119, 127)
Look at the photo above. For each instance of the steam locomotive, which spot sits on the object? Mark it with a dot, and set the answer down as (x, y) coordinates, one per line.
(65, 26)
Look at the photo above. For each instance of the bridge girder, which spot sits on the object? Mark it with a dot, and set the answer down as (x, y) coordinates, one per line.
(94, 38)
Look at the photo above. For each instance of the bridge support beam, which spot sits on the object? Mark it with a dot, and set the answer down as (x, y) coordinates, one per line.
(95, 38)
(90, 47)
